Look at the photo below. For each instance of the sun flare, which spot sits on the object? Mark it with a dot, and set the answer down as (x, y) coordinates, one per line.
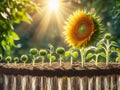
(53, 5)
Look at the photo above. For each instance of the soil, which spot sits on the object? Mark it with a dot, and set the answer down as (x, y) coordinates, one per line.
(65, 70)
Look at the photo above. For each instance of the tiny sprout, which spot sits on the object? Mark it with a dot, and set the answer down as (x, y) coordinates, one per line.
(24, 59)
(106, 46)
(43, 53)
(33, 52)
(16, 59)
(67, 54)
(75, 54)
(1, 57)
(107, 36)
(53, 58)
(8, 59)
(51, 50)
(60, 51)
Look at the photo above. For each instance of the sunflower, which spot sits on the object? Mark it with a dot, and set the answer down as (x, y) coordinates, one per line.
(81, 28)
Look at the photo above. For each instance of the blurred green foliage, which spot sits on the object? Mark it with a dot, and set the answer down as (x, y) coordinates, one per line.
(13, 12)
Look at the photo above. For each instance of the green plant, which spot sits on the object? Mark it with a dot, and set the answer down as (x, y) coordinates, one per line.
(96, 54)
(8, 59)
(14, 12)
(1, 57)
(42, 54)
(60, 51)
(33, 52)
(49, 56)
(106, 45)
(72, 54)
(16, 59)
(24, 59)
(83, 53)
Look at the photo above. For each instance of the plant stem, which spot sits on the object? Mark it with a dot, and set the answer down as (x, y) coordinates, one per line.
(8, 63)
(50, 59)
(96, 57)
(107, 58)
(107, 52)
(15, 63)
(71, 60)
(60, 60)
(42, 61)
(82, 56)
(33, 62)
(24, 63)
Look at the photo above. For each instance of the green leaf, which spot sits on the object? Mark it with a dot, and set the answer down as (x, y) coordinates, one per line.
(89, 55)
(103, 54)
(53, 58)
(67, 54)
(75, 54)
(15, 36)
(113, 43)
(99, 47)
(48, 56)
(26, 18)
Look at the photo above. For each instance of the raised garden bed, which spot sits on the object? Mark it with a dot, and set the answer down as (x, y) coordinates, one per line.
(65, 70)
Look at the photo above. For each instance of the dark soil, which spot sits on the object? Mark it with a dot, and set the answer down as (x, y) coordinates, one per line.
(65, 70)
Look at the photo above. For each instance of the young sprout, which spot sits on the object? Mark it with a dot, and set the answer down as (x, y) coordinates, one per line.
(51, 50)
(16, 59)
(72, 55)
(24, 59)
(43, 53)
(83, 52)
(8, 59)
(33, 52)
(52, 57)
(106, 45)
(96, 54)
(60, 51)
(1, 57)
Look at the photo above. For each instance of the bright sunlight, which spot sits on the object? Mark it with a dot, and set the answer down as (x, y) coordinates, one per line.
(53, 5)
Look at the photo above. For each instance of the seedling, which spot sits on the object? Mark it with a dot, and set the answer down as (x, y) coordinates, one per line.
(72, 55)
(8, 59)
(16, 59)
(51, 50)
(33, 52)
(60, 51)
(83, 52)
(42, 54)
(24, 59)
(106, 45)
(96, 54)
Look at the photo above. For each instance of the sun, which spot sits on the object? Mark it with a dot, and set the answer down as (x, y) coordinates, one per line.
(53, 5)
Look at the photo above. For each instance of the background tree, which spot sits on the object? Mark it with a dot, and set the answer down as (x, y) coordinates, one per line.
(13, 12)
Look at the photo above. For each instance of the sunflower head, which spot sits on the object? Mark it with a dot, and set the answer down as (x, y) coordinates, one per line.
(82, 29)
